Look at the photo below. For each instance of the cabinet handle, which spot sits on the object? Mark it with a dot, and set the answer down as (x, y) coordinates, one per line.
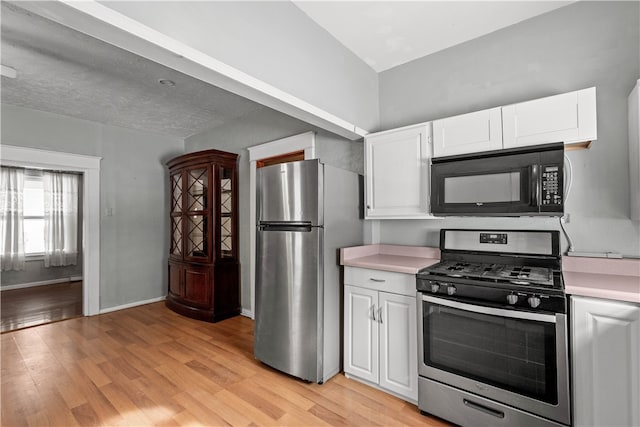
(377, 280)
(380, 314)
(373, 312)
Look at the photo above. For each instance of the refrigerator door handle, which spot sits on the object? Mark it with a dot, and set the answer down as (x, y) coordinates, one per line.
(285, 226)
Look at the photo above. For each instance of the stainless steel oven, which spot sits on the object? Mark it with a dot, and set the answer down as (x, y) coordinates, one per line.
(493, 332)
(523, 181)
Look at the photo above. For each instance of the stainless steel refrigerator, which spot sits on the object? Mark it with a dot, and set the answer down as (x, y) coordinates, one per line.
(306, 212)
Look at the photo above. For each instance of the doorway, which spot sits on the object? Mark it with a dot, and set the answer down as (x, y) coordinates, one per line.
(89, 167)
(46, 284)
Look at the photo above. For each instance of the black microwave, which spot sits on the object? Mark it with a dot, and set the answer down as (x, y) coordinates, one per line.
(516, 182)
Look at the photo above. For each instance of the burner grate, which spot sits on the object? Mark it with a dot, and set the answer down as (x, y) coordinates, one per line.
(520, 275)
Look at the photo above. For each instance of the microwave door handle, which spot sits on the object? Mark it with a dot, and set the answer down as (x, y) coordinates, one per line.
(535, 185)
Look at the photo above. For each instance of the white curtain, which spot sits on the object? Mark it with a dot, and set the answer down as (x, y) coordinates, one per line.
(11, 219)
(60, 219)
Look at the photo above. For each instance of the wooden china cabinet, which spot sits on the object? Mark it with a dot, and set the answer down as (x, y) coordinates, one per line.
(204, 276)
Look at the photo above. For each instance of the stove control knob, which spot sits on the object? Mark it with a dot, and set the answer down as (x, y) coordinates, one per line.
(534, 301)
(512, 299)
(434, 288)
(451, 290)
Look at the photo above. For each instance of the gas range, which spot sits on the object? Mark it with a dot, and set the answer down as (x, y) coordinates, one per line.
(510, 269)
(492, 330)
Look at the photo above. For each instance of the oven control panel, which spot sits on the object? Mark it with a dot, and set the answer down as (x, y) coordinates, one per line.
(496, 296)
(551, 185)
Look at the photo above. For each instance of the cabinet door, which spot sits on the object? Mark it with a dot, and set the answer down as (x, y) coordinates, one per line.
(176, 272)
(606, 350)
(398, 344)
(198, 285)
(197, 238)
(568, 117)
(397, 173)
(468, 133)
(361, 333)
(633, 104)
(176, 214)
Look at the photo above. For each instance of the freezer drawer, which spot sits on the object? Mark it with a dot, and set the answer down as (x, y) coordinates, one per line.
(288, 318)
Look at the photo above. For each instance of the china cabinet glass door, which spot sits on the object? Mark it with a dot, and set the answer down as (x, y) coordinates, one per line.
(197, 209)
(176, 214)
(226, 213)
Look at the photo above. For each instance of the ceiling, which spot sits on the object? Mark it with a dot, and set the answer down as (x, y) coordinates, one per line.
(63, 71)
(66, 72)
(386, 34)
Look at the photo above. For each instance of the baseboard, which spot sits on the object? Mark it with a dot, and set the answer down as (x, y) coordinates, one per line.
(131, 304)
(247, 313)
(41, 283)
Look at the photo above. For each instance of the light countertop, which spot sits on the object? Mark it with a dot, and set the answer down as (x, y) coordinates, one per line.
(616, 279)
(401, 259)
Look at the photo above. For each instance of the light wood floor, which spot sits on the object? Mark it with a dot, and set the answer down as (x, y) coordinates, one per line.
(21, 308)
(150, 366)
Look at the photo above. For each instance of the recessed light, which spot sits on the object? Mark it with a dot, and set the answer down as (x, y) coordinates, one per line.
(8, 72)
(167, 82)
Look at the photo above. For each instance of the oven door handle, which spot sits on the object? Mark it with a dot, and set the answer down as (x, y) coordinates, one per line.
(514, 314)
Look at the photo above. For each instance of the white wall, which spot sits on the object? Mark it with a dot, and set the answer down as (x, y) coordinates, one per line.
(273, 41)
(134, 241)
(257, 128)
(578, 46)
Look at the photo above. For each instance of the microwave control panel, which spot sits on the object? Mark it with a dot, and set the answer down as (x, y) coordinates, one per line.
(551, 185)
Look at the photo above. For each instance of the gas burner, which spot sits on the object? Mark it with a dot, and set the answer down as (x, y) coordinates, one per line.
(459, 266)
(495, 273)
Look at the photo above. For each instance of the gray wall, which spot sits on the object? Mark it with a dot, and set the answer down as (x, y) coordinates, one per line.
(275, 42)
(35, 271)
(578, 46)
(134, 241)
(257, 128)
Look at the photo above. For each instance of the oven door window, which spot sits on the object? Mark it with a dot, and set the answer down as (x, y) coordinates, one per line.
(513, 354)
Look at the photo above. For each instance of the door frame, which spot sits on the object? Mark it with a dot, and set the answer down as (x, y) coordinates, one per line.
(302, 142)
(89, 166)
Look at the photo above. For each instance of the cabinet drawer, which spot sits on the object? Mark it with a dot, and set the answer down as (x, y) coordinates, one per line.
(381, 280)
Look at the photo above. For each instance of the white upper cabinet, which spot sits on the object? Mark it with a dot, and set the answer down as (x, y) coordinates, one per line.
(397, 173)
(569, 118)
(468, 133)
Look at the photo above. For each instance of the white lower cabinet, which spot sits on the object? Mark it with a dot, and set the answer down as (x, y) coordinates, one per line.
(380, 337)
(606, 362)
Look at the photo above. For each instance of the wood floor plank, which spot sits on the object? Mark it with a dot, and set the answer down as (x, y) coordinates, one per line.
(129, 411)
(37, 305)
(202, 413)
(150, 366)
(93, 371)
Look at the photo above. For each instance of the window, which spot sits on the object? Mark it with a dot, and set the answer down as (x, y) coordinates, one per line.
(33, 215)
